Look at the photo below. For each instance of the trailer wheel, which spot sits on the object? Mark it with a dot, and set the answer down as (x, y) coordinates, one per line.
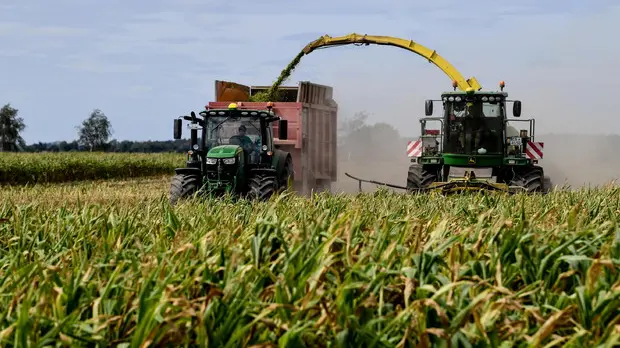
(183, 186)
(262, 187)
(419, 178)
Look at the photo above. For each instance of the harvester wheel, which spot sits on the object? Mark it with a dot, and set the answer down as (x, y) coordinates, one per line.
(262, 187)
(183, 186)
(532, 180)
(547, 184)
(418, 177)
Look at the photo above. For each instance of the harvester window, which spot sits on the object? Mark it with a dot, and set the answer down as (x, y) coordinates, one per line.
(476, 109)
(491, 109)
(474, 128)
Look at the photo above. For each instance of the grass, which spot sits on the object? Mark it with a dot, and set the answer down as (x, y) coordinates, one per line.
(111, 264)
(31, 168)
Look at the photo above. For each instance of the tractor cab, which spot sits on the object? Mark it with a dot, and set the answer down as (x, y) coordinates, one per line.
(249, 133)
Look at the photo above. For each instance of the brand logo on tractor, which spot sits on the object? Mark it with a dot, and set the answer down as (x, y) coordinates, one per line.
(472, 160)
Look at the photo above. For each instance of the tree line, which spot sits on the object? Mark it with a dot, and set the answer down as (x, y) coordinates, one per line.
(93, 134)
(356, 138)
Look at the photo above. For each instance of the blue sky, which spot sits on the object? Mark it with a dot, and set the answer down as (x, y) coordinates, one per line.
(144, 65)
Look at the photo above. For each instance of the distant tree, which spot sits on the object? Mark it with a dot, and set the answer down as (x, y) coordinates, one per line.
(358, 140)
(349, 125)
(95, 131)
(10, 127)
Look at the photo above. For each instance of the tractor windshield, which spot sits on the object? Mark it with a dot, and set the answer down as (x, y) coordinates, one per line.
(242, 131)
(474, 128)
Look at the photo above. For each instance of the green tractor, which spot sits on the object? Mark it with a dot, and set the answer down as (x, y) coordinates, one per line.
(475, 147)
(236, 154)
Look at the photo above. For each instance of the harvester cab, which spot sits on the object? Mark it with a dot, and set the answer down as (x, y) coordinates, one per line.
(235, 153)
(475, 147)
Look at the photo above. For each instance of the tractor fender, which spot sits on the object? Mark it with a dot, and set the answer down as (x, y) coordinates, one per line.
(187, 171)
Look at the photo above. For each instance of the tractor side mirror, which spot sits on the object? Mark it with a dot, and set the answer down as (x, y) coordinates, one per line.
(516, 108)
(283, 129)
(428, 107)
(178, 124)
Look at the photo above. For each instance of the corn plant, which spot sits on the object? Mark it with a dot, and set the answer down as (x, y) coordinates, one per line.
(379, 269)
(33, 168)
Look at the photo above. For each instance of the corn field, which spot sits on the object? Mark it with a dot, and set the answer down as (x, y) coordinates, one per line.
(112, 264)
(31, 168)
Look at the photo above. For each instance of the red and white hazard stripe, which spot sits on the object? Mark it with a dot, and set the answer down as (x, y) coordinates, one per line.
(414, 148)
(534, 150)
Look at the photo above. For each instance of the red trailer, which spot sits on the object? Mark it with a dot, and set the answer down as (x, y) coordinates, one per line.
(312, 117)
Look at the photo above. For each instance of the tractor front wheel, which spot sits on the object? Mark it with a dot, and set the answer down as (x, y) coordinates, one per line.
(419, 178)
(532, 180)
(183, 186)
(262, 187)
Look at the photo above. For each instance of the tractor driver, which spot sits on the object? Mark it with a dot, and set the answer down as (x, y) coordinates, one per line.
(242, 140)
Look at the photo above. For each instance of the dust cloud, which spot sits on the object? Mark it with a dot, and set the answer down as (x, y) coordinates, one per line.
(571, 161)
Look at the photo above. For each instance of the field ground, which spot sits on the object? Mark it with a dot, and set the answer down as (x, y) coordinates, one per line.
(111, 263)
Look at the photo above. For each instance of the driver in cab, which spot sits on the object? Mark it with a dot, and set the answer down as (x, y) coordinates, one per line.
(242, 140)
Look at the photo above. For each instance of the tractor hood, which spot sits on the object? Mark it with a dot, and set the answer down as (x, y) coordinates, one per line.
(224, 151)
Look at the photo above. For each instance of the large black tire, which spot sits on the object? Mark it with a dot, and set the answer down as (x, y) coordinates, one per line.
(288, 175)
(532, 179)
(262, 187)
(419, 178)
(183, 186)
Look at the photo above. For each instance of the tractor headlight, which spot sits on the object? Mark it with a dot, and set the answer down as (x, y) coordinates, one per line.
(211, 160)
(229, 160)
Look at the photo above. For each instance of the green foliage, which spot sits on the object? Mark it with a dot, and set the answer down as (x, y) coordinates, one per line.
(272, 93)
(378, 269)
(10, 128)
(23, 168)
(95, 130)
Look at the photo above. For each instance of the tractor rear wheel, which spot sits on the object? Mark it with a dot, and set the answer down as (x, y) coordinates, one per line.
(183, 186)
(531, 179)
(262, 187)
(419, 178)
(288, 175)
